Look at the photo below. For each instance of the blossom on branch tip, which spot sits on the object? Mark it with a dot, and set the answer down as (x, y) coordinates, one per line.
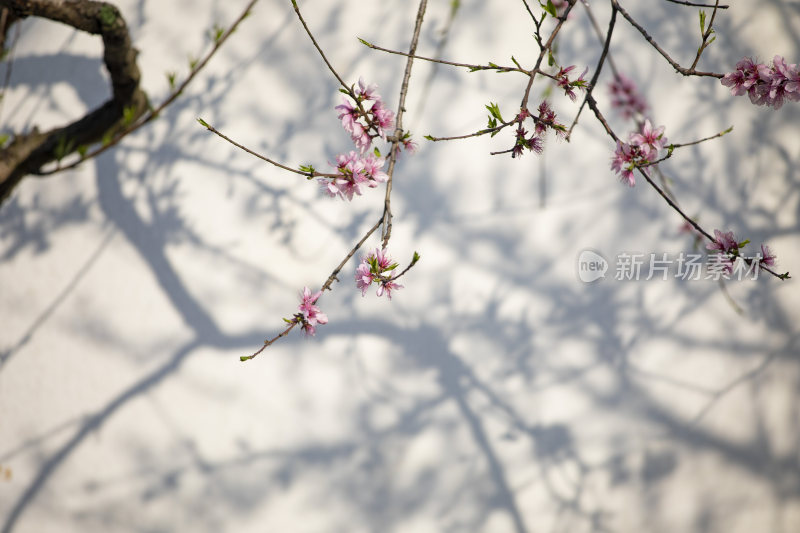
(764, 84)
(767, 257)
(649, 140)
(724, 242)
(367, 92)
(377, 267)
(367, 117)
(310, 315)
(353, 172)
(563, 82)
(623, 162)
(640, 152)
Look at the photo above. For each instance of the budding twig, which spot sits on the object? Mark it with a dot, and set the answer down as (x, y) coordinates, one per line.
(213, 130)
(387, 209)
(654, 44)
(321, 53)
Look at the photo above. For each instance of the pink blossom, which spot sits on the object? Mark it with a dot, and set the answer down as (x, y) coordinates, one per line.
(547, 119)
(562, 80)
(724, 242)
(386, 287)
(410, 146)
(625, 97)
(536, 144)
(367, 92)
(349, 115)
(649, 140)
(767, 257)
(623, 162)
(361, 137)
(310, 315)
(383, 118)
(768, 85)
(377, 267)
(373, 170)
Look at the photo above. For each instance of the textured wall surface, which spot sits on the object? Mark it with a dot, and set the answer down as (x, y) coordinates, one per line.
(496, 392)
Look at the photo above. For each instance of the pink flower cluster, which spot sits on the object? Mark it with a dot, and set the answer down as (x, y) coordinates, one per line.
(563, 81)
(367, 117)
(354, 171)
(728, 249)
(309, 315)
(535, 143)
(625, 97)
(642, 150)
(377, 267)
(768, 85)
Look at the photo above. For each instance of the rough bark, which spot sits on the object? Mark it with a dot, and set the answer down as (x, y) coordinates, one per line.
(29, 152)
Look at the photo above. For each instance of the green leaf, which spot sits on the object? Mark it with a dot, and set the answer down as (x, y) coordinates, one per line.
(429, 137)
(517, 63)
(365, 43)
(702, 22)
(4, 137)
(192, 62)
(551, 9)
(550, 59)
(128, 115)
(82, 149)
(743, 243)
(63, 147)
(713, 38)
(494, 110)
(203, 123)
(475, 69)
(171, 76)
(415, 258)
(376, 152)
(390, 267)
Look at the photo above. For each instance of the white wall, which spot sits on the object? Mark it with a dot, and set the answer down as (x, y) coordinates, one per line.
(495, 393)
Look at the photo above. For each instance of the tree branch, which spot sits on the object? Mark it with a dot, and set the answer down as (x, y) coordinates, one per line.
(28, 153)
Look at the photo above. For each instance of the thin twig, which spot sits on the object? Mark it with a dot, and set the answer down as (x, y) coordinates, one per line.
(671, 147)
(387, 208)
(547, 46)
(599, 33)
(327, 285)
(654, 44)
(321, 53)
(153, 114)
(263, 158)
(267, 342)
(468, 135)
(693, 4)
(596, 75)
(706, 34)
(470, 66)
